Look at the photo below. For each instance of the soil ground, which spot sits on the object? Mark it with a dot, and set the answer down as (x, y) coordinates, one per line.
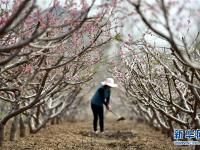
(124, 135)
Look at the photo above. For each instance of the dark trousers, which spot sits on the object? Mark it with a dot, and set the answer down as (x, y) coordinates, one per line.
(98, 114)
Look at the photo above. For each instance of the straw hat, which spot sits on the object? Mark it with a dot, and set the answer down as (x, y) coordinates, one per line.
(109, 82)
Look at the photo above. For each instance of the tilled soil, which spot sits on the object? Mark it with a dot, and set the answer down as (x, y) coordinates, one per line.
(124, 135)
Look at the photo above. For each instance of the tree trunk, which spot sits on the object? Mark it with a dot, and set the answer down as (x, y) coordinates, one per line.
(53, 121)
(13, 129)
(45, 125)
(30, 126)
(57, 120)
(1, 134)
(37, 116)
(22, 127)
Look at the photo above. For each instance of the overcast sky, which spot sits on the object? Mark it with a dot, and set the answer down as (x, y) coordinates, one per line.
(46, 3)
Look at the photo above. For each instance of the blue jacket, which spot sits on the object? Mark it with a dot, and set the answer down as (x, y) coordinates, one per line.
(100, 95)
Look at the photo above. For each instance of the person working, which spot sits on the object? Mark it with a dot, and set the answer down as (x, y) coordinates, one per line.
(100, 98)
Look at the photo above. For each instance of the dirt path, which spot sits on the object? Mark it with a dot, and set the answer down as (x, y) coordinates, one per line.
(78, 136)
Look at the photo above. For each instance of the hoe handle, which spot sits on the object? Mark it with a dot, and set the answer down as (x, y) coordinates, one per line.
(115, 113)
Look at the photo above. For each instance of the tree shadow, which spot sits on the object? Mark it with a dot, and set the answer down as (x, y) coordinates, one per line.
(123, 135)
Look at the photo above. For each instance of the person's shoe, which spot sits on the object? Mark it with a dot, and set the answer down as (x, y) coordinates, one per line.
(96, 132)
(102, 134)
